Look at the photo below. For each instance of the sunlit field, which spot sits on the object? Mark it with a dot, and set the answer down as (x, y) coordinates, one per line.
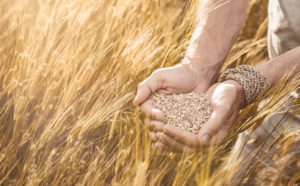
(69, 71)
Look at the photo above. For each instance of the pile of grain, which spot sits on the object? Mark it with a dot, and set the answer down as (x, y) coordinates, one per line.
(186, 111)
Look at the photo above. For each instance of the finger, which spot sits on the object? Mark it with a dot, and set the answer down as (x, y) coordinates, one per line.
(151, 112)
(164, 91)
(223, 132)
(212, 126)
(147, 87)
(186, 138)
(220, 137)
(153, 137)
(174, 145)
(159, 146)
(154, 125)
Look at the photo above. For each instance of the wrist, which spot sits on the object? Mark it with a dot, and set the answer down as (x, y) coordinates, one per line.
(255, 85)
(207, 72)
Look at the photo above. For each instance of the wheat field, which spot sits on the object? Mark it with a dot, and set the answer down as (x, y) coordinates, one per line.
(69, 72)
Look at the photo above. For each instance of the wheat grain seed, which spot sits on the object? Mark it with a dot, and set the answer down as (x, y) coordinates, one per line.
(187, 111)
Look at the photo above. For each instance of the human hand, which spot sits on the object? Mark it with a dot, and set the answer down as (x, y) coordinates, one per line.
(227, 98)
(180, 78)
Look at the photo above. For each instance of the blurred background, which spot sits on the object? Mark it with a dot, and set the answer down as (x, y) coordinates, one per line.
(69, 71)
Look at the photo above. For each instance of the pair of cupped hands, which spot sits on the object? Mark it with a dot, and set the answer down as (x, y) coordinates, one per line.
(227, 98)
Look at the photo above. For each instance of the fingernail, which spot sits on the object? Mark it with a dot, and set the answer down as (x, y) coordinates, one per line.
(205, 138)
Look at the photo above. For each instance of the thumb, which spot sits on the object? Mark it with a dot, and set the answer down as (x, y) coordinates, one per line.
(147, 87)
(211, 127)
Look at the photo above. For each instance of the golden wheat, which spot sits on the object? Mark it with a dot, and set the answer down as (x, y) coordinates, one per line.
(69, 72)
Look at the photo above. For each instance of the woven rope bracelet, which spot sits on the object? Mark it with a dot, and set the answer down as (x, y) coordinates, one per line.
(253, 82)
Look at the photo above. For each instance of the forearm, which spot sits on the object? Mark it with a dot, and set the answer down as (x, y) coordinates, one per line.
(276, 68)
(218, 28)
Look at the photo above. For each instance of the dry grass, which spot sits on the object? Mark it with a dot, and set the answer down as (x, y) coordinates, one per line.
(69, 71)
